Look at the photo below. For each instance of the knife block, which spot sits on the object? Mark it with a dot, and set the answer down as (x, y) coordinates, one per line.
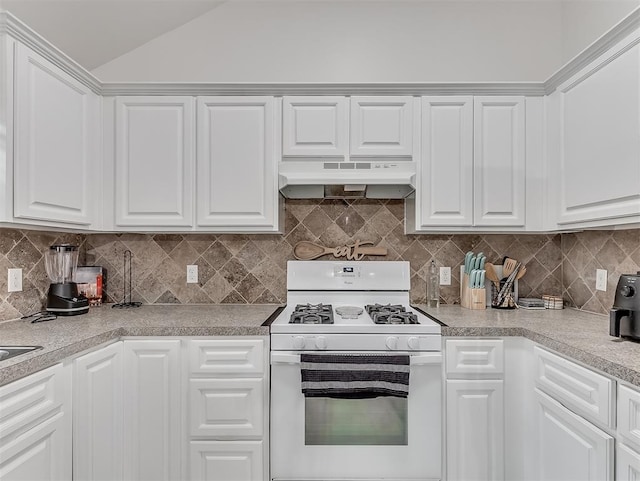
(471, 298)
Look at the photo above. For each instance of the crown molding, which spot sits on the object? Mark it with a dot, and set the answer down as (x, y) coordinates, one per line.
(617, 33)
(415, 89)
(21, 32)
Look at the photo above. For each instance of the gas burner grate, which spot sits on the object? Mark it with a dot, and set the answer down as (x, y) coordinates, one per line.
(391, 314)
(312, 314)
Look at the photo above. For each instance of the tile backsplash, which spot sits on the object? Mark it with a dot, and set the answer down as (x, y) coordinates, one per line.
(252, 268)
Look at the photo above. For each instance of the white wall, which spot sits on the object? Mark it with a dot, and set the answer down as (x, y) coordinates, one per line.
(585, 20)
(354, 42)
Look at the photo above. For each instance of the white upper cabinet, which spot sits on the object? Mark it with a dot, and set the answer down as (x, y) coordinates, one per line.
(445, 171)
(381, 126)
(56, 148)
(499, 161)
(236, 164)
(343, 127)
(154, 161)
(315, 126)
(595, 154)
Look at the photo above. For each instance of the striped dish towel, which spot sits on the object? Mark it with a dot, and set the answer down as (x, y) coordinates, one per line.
(354, 376)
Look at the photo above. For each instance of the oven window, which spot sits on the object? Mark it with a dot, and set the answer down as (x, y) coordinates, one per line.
(356, 422)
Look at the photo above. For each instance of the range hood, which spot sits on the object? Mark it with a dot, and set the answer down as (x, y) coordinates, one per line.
(318, 179)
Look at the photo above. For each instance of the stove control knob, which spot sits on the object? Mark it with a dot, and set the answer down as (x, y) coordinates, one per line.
(414, 343)
(298, 342)
(392, 343)
(321, 342)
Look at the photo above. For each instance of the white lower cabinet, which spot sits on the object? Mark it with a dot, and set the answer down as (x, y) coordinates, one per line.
(475, 430)
(570, 447)
(228, 415)
(627, 464)
(152, 410)
(35, 427)
(226, 461)
(97, 415)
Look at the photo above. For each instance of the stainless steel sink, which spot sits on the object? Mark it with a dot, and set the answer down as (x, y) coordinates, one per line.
(7, 352)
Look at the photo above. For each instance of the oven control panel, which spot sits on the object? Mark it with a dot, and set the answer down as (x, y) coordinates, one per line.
(355, 342)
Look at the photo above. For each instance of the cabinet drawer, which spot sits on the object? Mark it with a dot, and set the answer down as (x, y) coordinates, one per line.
(475, 356)
(627, 464)
(227, 460)
(226, 407)
(629, 415)
(577, 387)
(28, 401)
(226, 356)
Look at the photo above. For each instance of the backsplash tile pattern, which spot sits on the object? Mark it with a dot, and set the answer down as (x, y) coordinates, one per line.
(583, 252)
(252, 268)
(25, 250)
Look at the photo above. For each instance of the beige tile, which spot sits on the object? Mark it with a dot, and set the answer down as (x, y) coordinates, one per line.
(234, 298)
(317, 221)
(594, 240)
(384, 222)
(8, 239)
(168, 242)
(628, 240)
(249, 256)
(367, 208)
(217, 255)
(300, 208)
(334, 208)
(416, 255)
(233, 271)
(233, 242)
(24, 255)
(609, 254)
(217, 288)
(350, 221)
(250, 288)
(334, 236)
(579, 292)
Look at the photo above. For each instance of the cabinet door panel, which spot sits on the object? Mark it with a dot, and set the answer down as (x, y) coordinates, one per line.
(627, 464)
(236, 163)
(445, 172)
(600, 120)
(56, 129)
(227, 461)
(42, 453)
(571, 448)
(629, 415)
(499, 161)
(315, 126)
(152, 410)
(226, 407)
(382, 126)
(97, 413)
(475, 430)
(154, 161)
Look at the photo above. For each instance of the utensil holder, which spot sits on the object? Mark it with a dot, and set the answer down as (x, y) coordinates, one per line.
(471, 298)
(508, 302)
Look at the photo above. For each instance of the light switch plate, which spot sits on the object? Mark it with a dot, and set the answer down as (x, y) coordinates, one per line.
(601, 280)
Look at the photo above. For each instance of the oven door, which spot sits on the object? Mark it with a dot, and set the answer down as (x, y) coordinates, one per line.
(356, 439)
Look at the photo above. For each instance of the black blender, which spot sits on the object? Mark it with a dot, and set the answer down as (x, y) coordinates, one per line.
(63, 298)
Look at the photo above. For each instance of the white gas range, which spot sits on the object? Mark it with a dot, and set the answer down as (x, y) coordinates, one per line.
(346, 310)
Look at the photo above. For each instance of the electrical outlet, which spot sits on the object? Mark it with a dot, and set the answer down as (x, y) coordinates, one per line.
(445, 276)
(15, 280)
(601, 280)
(192, 274)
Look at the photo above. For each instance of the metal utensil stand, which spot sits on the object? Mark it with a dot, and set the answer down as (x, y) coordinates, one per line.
(127, 303)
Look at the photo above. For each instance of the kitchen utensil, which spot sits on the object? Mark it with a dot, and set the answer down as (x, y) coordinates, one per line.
(508, 267)
(63, 299)
(307, 250)
(521, 273)
(492, 275)
(505, 291)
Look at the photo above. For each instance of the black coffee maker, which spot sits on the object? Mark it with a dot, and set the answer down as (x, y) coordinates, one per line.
(624, 317)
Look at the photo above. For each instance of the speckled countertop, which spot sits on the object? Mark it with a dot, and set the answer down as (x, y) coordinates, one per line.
(579, 335)
(66, 336)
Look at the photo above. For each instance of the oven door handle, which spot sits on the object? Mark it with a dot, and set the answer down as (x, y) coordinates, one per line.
(415, 359)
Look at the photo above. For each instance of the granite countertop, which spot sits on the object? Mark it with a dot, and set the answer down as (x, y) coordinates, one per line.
(577, 334)
(66, 336)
